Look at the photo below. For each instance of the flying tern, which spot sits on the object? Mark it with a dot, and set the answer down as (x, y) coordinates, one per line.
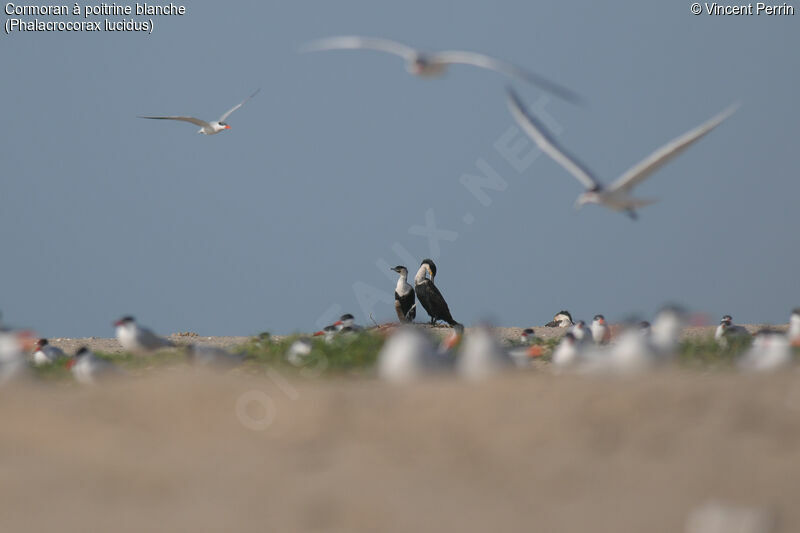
(617, 196)
(208, 128)
(433, 64)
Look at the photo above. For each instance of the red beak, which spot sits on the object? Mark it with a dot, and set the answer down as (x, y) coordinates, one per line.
(338, 323)
(70, 363)
(317, 334)
(601, 321)
(227, 127)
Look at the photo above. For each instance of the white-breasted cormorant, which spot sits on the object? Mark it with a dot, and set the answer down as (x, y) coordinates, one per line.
(404, 300)
(429, 296)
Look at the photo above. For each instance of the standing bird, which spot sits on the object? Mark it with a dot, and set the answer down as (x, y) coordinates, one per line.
(430, 65)
(600, 330)
(208, 128)
(527, 336)
(212, 356)
(46, 353)
(580, 332)
(728, 330)
(429, 296)
(617, 195)
(561, 320)
(135, 338)
(404, 300)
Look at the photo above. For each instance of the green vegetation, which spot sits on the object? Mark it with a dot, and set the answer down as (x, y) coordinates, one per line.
(355, 354)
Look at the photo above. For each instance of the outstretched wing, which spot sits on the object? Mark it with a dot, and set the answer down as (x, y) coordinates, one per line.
(509, 69)
(201, 123)
(660, 157)
(547, 144)
(353, 42)
(237, 106)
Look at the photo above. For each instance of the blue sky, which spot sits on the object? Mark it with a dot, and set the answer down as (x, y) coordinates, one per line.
(291, 216)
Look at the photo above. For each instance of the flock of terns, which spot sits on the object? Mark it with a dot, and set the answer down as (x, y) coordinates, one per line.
(411, 352)
(616, 196)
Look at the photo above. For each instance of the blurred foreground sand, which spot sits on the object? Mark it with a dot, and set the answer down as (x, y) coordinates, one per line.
(528, 452)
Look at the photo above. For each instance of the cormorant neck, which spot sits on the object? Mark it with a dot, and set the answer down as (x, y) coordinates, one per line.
(421, 273)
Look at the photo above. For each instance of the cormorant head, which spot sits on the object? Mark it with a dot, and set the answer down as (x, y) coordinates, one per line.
(400, 269)
(431, 267)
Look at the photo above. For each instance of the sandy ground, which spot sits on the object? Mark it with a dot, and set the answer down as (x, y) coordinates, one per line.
(184, 450)
(187, 451)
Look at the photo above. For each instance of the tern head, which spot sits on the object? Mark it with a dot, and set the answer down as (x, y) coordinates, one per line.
(589, 197)
(124, 321)
(224, 125)
(726, 320)
(41, 343)
(600, 319)
(418, 64)
(430, 266)
(400, 269)
(580, 324)
(345, 321)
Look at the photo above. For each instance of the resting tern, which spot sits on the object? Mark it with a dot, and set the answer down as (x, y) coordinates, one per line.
(770, 351)
(87, 368)
(46, 353)
(433, 64)
(527, 336)
(208, 128)
(212, 356)
(482, 356)
(617, 196)
(408, 355)
(580, 332)
(135, 338)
